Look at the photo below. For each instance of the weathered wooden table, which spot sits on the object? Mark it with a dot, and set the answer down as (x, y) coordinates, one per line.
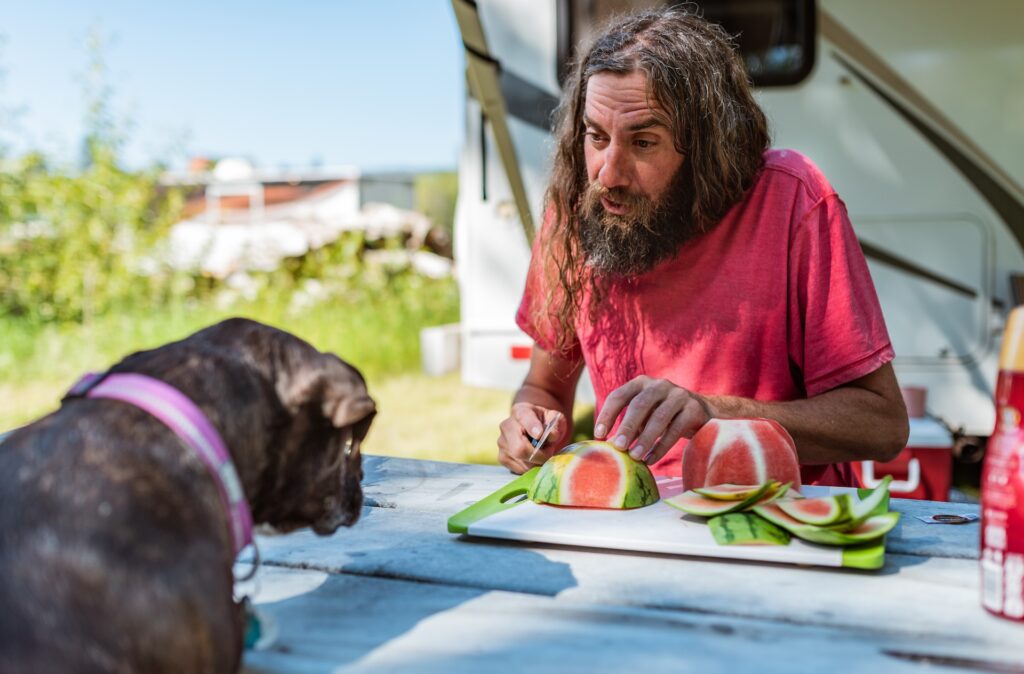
(399, 593)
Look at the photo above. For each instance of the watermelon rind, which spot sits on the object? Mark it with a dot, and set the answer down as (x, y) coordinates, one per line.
(545, 487)
(746, 529)
(780, 491)
(872, 504)
(872, 528)
(729, 492)
(819, 511)
(645, 487)
(692, 503)
(638, 487)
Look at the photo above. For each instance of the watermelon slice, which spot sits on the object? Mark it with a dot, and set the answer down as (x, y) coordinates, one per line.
(819, 511)
(869, 530)
(694, 504)
(730, 492)
(594, 474)
(780, 491)
(746, 529)
(873, 504)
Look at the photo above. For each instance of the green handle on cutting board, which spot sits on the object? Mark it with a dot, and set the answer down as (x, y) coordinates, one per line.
(503, 499)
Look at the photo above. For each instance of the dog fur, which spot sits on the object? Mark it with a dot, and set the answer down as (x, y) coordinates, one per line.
(115, 551)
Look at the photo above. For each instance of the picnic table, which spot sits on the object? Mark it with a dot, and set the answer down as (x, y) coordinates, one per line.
(397, 592)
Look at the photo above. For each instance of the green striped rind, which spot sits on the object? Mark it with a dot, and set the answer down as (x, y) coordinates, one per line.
(641, 490)
(546, 487)
(746, 529)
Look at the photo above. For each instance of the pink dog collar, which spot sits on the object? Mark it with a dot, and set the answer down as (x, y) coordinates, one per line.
(188, 422)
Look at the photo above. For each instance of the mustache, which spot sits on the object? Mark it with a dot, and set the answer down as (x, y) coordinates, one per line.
(619, 195)
(647, 232)
(641, 207)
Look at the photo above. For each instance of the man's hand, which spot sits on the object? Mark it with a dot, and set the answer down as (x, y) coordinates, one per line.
(515, 450)
(657, 414)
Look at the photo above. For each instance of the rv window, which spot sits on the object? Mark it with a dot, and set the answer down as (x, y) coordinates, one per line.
(776, 37)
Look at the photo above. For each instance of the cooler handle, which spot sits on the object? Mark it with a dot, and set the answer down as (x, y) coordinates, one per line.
(912, 482)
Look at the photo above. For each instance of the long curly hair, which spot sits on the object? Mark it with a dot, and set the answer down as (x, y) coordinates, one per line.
(695, 75)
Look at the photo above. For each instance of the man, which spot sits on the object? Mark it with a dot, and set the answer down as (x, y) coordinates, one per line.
(695, 272)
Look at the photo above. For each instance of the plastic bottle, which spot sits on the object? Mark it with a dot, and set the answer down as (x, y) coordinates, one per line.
(1002, 484)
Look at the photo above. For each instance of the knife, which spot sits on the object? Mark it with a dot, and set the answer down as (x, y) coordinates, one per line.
(539, 442)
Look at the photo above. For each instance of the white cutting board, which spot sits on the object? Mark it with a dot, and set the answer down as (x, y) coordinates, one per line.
(658, 528)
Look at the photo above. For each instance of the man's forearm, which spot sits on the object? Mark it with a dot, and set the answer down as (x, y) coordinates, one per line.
(845, 424)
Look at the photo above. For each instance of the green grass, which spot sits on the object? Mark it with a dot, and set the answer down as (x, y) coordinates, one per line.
(376, 331)
(419, 416)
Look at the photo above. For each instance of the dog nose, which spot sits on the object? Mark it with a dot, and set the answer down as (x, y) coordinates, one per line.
(332, 521)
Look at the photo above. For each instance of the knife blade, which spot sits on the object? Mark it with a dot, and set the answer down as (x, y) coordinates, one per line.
(539, 442)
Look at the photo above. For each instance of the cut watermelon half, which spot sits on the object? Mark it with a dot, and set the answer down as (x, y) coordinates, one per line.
(594, 474)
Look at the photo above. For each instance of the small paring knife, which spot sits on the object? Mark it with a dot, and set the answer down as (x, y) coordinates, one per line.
(539, 442)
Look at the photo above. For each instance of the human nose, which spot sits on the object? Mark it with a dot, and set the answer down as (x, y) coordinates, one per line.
(614, 170)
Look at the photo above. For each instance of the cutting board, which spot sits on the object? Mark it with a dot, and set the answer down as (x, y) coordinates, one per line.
(659, 528)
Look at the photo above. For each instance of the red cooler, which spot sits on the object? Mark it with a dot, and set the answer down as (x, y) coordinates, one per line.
(923, 470)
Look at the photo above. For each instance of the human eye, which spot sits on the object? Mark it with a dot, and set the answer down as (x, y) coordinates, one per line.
(595, 137)
(644, 143)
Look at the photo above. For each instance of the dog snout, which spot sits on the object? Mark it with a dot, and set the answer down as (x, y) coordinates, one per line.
(342, 509)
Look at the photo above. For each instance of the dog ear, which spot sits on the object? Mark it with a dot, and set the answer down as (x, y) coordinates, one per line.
(329, 382)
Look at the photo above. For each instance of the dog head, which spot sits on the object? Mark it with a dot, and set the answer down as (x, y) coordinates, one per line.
(331, 405)
(311, 462)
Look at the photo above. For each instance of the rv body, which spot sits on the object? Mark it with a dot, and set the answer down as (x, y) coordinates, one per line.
(913, 110)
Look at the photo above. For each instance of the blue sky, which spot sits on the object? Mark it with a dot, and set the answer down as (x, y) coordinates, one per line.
(369, 83)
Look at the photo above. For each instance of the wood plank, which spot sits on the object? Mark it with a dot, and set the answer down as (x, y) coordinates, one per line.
(912, 595)
(391, 482)
(340, 623)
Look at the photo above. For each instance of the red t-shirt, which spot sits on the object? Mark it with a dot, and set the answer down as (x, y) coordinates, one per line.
(774, 303)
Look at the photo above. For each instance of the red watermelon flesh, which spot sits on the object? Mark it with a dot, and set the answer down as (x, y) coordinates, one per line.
(596, 479)
(740, 451)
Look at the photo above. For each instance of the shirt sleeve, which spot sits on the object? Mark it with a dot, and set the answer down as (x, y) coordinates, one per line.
(836, 329)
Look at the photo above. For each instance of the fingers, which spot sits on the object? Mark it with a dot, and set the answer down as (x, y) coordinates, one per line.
(530, 418)
(614, 404)
(515, 449)
(655, 415)
(683, 425)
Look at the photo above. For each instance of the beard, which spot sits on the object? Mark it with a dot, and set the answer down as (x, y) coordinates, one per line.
(651, 230)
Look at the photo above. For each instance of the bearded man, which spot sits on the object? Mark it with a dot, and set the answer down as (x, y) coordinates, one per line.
(694, 271)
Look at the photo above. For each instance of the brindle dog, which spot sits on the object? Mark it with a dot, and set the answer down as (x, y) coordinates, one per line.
(115, 551)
